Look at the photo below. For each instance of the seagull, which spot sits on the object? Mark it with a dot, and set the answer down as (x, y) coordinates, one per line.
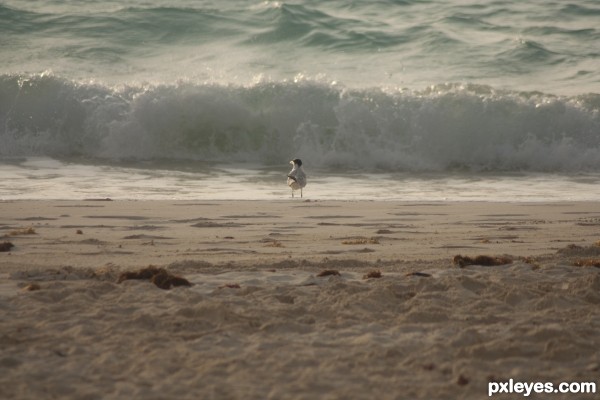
(296, 178)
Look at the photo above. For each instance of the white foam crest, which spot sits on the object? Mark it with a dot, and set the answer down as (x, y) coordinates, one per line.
(444, 127)
(461, 129)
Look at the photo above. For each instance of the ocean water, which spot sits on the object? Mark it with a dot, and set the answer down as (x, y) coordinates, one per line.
(420, 100)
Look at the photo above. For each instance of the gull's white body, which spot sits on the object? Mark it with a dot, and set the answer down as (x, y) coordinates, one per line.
(296, 178)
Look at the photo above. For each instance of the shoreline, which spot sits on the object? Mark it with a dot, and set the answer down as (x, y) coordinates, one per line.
(259, 322)
(134, 233)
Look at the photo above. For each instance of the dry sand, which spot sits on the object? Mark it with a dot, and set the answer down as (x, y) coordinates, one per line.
(258, 323)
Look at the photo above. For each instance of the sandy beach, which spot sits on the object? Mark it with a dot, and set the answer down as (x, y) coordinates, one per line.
(258, 322)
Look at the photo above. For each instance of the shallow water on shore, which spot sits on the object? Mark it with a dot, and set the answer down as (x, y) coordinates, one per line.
(45, 178)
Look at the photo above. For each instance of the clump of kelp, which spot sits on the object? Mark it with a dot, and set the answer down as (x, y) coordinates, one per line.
(159, 276)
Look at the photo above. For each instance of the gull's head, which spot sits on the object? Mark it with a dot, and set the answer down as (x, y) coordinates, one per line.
(296, 161)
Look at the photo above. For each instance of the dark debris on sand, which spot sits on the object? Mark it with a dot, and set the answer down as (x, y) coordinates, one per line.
(372, 274)
(487, 261)
(420, 274)
(329, 272)
(587, 262)
(462, 380)
(31, 287)
(230, 286)
(159, 276)
(6, 246)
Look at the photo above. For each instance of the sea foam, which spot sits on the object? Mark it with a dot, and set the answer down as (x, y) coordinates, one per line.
(444, 127)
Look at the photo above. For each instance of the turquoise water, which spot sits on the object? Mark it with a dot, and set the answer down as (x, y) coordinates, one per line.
(380, 99)
(549, 46)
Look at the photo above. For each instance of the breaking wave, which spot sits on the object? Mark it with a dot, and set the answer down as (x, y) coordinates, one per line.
(444, 127)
